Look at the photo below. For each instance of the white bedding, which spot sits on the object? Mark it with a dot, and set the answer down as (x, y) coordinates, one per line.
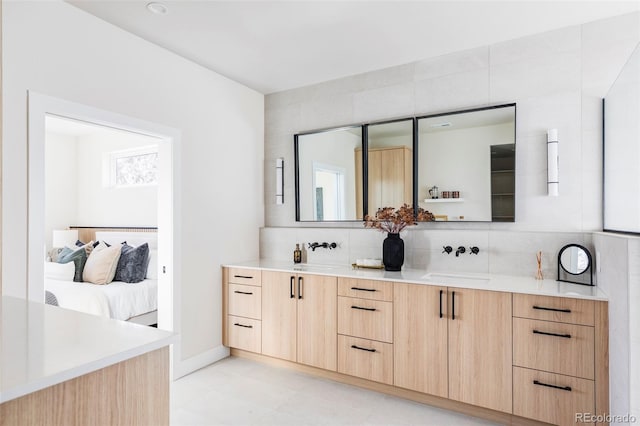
(115, 300)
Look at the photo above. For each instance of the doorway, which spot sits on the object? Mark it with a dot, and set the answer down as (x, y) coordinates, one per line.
(168, 143)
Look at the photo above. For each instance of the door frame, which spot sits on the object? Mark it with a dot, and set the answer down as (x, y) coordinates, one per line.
(169, 295)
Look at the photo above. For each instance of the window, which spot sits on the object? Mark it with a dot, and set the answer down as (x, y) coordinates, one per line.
(136, 167)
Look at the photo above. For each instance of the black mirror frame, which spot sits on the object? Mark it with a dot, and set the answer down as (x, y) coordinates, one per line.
(588, 270)
(365, 142)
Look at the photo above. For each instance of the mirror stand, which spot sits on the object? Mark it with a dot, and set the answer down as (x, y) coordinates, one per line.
(575, 265)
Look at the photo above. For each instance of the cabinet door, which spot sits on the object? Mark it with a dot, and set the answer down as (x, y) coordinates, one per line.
(279, 315)
(317, 327)
(420, 338)
(395, 186)
(480, 352)
(375, 181)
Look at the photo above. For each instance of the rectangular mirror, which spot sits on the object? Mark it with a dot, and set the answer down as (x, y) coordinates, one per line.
(389, 165)
(327, 169)
(622, 150)
(466, 165)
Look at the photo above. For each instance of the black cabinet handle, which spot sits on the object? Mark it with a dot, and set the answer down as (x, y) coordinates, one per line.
(564, 388)
(566, 336)
(364, 309)
(242, 325)
(299, 287)
(291, 287)
(242, 292)
(542, 308)
(453, 305)
(441, 291)
(243, 276)
(363, 289)
(362, 349)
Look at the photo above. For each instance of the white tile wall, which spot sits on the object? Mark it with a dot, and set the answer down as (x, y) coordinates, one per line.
(556, 78)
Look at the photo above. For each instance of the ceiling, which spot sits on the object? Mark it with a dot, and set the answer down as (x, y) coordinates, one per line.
(272, 46)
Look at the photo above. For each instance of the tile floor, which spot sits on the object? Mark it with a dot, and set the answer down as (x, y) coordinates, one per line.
(237, 391)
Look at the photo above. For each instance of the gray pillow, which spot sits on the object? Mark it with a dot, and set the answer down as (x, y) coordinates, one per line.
(78, 257)
(132, 266)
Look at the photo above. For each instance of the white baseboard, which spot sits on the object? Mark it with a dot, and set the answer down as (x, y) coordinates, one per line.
(194, 363)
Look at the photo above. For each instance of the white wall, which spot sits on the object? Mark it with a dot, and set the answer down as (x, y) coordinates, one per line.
(99, 205)
(61, 175)
(557, 79)
(55, 49)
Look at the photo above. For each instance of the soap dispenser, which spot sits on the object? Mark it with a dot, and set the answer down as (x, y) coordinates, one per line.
(297, 254)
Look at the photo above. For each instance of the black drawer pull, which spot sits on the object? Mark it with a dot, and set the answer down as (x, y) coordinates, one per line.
(243, 276)
(542, 308)
(564, 388)
(453, 305)
(364, 309)
(242, 325)
(363, 289)
(242, 292)
(441, 292)
(291, 294)
(566, 336)
(362, 349)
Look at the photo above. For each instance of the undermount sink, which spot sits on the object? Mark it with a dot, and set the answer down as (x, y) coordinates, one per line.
(452, 278)
(315, 267)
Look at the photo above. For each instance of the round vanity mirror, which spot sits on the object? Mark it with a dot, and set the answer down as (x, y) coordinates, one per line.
(575, 260)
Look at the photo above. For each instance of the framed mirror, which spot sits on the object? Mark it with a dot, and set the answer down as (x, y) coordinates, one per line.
(466, 164)
(389, 164)
(575, 265)
(327, 169)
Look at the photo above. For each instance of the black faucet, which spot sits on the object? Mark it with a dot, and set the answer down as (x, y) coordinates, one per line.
(474, 250)
(447, 249)
(314, 246)
(460, 250)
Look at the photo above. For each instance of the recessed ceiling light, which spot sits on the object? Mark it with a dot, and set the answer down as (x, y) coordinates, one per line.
(445, 124)
(157, 8)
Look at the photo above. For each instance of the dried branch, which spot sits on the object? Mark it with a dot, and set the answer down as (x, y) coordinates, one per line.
(388, 220)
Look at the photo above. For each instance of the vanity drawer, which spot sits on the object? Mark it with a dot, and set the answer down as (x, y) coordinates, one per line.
(560, 309)
(245, 333)
(364, 358)
(553, 398)
(368, 319)
(554, 347)
(245, 276)
(365, 289)
(245, 301)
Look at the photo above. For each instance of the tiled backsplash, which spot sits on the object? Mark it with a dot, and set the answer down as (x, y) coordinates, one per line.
(501, 252)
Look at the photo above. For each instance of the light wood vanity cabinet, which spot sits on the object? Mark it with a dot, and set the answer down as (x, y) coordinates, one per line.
(299, 318)
(243, 309)
(539, 357)
(554, 356)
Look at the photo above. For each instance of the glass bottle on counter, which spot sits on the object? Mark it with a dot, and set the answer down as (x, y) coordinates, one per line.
(297, 254)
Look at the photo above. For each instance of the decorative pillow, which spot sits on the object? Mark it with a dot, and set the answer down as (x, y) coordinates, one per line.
(152, 265)
(133, 263)
(59, 271)
(101, 265)
(80, 243)
(78, 257)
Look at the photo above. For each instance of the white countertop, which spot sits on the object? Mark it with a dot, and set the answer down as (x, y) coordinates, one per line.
(492, 282)
(44, 345)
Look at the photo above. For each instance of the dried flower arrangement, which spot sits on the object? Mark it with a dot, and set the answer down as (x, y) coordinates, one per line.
(388, 220)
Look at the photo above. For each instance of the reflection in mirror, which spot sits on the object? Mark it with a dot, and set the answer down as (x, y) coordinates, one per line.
(574, 260)
(389, 165)
(466, 165)
(327, 172)
(574, 265)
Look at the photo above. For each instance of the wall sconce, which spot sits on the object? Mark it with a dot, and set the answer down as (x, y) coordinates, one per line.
(64, 238)
(552, 163)
(280, 180)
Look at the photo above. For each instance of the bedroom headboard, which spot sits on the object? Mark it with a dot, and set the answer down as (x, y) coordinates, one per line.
(88, 233)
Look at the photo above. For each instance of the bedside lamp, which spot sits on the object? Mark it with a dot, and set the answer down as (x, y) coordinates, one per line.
(64, 238)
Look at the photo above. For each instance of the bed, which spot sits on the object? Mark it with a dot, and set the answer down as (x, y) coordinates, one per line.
(133, 302)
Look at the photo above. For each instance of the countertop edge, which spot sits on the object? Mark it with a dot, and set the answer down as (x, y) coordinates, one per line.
(342, 271)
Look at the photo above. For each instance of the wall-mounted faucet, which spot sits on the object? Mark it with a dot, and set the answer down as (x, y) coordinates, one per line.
(447, 249)
(314, 246)
(474, 250)
(461, 249)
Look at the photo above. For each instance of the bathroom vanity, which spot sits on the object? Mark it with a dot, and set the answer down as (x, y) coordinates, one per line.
(61, 367)
(510, 349)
